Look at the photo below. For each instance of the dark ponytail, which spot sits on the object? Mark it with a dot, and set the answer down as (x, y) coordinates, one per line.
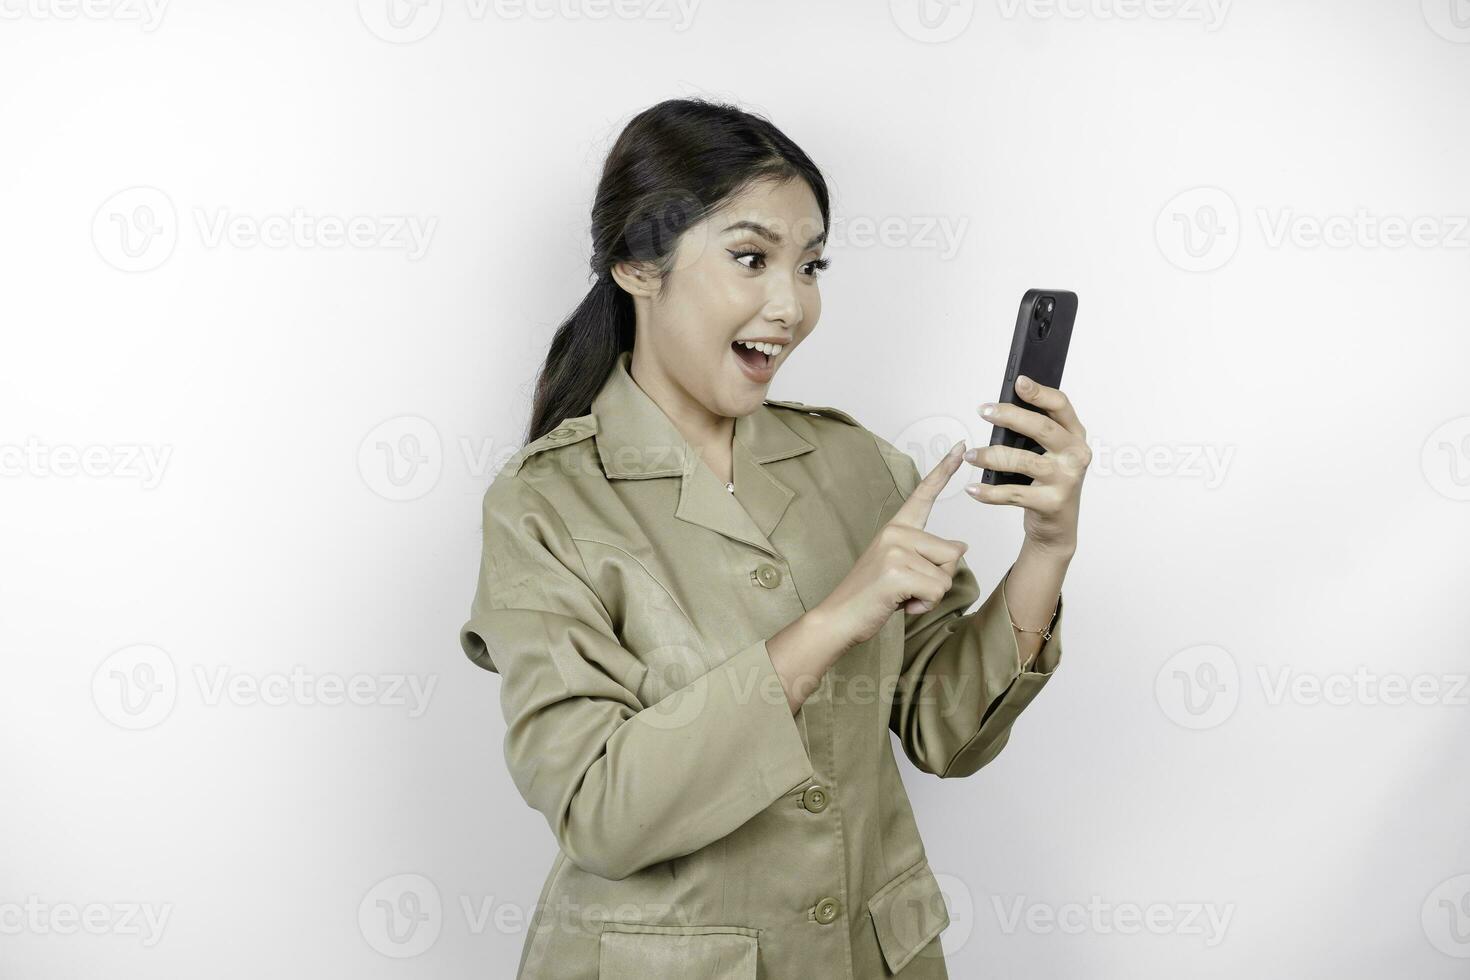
(671, 166)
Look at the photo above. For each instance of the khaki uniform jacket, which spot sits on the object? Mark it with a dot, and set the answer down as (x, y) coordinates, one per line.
(625, 598)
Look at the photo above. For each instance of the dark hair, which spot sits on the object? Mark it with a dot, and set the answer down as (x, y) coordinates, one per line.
(671, 166)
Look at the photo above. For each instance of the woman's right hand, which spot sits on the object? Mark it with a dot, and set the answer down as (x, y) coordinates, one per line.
(905, 567)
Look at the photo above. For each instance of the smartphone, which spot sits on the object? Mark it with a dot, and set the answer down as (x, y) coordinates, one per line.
(1039, 351)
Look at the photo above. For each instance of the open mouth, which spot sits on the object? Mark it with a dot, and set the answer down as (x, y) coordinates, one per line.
(756, 359)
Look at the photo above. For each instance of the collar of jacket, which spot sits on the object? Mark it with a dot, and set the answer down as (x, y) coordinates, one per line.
(636, 441)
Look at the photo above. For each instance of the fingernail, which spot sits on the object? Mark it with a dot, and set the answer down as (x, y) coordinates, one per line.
(1023, 382)
(971, 455)
(988, 409)
(954, 449)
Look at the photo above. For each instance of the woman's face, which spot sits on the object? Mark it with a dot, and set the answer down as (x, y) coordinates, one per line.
(747, 272)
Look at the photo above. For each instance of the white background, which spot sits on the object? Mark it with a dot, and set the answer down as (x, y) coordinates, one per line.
(1280, 493)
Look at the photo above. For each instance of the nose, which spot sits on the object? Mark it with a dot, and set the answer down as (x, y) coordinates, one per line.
(782, 304)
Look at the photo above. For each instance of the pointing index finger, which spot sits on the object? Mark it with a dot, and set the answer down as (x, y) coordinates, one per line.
(915, 510)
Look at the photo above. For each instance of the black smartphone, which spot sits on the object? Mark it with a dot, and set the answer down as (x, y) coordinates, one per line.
(1039, 351)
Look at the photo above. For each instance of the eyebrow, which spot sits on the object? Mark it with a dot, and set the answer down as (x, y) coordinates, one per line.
(775, 236)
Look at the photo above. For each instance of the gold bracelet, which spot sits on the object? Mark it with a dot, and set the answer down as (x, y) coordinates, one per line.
(1045, 631)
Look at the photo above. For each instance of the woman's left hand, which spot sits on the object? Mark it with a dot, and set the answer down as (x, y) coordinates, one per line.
(1052, 500)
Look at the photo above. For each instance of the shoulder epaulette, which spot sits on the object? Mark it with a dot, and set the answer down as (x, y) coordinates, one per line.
(571, 430)
(826, 410)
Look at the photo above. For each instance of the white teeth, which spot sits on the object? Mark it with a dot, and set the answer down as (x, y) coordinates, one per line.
(771, 349)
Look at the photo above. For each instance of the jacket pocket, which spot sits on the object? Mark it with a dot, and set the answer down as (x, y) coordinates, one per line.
(908, 913)
(633, 951)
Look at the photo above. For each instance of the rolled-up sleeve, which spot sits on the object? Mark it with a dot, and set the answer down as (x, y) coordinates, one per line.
(961, 684)
(622, 784)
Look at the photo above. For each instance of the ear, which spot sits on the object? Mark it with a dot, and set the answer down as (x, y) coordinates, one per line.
(636, 278)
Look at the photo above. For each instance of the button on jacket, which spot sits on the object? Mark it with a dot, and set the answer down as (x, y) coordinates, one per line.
(625, 597)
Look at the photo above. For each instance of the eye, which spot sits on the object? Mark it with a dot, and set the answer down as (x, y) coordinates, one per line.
(817, 266)
(737, 256)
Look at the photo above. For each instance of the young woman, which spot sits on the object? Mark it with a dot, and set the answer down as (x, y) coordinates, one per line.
(709, 608)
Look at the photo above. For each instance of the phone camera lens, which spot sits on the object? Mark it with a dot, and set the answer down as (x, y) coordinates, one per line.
(1047, 305)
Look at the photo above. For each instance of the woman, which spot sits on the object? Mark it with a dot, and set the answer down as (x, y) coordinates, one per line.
(689, 591)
